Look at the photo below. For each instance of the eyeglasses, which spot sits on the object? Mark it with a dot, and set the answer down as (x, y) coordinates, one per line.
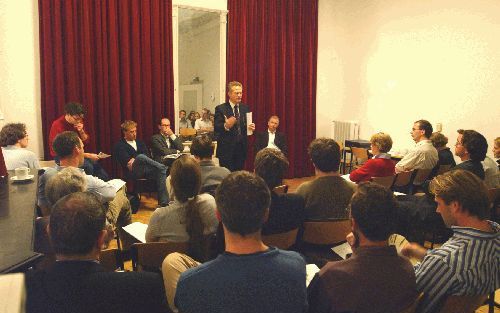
(414, 129)
(165, 125)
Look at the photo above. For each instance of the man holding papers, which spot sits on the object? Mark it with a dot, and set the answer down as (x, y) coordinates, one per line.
(165, 143)
(231, 129)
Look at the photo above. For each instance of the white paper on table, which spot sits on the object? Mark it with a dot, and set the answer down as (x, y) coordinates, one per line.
(311, 270)
(13, 291)
(343, 250)
(117, 183)
(137, 230)
(103, 155)
(249, 121)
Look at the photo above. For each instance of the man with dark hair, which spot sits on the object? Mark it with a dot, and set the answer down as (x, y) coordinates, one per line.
(69, 149)
(424, 155)
(287, 210)
(204, 125)
(471, 148)
(271, 138)
(328, 195)
(249, 276)
(212, 175)
(133, 156)
(77, 282)
(375, 278)
(467, 264)
(231, 129)
(165, 143)
(72, 120)
(14, 140)
(183, 121)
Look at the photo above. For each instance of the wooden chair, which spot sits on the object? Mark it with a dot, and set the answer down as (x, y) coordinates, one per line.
(326, 232)
(443, 169)
(281, 240)
(413, 307)
(462, 304)
(281, 189)
(111, 259)
(402, 179)
(149, 256)
(386, 181)
(421, 175)
(49, 163)
(187, 132)
(359, 156)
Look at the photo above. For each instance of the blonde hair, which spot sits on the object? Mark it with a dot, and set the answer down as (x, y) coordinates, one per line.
(382, 141)
(128, 124)
(232, 84)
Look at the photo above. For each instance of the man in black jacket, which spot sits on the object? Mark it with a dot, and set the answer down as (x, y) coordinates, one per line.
(271, 138)
(231, 129)
(133, 156)
(165, 143)
(77, 282)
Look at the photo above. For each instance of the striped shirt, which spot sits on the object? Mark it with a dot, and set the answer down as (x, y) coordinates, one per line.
(467, 264)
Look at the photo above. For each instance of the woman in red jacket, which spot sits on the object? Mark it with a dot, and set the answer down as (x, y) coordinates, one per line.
(380, 165)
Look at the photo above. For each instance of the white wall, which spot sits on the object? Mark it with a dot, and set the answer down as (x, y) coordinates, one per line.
(20, 68)
(388, 63)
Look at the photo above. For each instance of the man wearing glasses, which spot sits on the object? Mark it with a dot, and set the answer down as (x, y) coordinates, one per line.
(72, 120)
(165, 143)
(423, 155)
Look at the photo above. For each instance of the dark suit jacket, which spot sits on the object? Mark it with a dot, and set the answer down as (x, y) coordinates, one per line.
(160, 148)
(226, 139)
(84, 286)
(262, 138)
(123, 152)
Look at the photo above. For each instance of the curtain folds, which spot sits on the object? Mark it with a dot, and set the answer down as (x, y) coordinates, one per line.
(113, 56)
(272, 51)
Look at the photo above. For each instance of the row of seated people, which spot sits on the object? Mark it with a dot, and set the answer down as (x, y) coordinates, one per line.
(252, 277)
(201, 123)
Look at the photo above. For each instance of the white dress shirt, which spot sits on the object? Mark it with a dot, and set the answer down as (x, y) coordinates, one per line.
(270, 143)
(423, 156)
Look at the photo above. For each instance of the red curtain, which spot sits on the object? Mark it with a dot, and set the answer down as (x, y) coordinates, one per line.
(272, 51)
(113, 56)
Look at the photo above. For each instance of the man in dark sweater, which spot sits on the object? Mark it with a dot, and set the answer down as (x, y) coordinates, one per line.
(77, 282)
(375, 278)
(471, 148)
(133, 156)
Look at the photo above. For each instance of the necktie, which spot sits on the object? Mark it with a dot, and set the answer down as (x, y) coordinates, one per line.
(237, 115)
(237, 112)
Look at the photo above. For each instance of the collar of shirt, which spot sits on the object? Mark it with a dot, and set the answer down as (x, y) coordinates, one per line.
(424, 142)
(467, 232)
(60, 168)
(382, 156)
(270, 132)
(11, 147)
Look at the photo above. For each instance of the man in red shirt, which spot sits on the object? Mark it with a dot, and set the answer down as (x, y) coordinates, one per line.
(72, 120)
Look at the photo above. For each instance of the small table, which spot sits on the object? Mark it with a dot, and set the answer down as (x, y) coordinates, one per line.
(17, 216)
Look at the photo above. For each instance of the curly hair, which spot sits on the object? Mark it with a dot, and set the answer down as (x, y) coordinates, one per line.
(271, 164)
(382, 141)
(438, 140)
(325, 154)
(11, 133)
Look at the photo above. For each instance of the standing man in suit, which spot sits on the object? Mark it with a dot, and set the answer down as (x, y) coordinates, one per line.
(231, 129)
(77, 282)
(271, 138)
(166, 142)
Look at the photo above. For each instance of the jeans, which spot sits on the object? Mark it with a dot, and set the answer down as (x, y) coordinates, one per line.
(144, 167)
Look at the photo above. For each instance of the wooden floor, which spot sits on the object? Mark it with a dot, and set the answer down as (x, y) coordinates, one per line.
(149, 203)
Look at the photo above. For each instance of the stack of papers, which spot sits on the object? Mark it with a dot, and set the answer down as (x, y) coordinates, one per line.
(311, 270)
(137, 230)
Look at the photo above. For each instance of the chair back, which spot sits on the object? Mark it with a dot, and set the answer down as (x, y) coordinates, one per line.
(150, 255)
(385, 181)
(443, 169)
(403, 179)
(281, 240)
(413, 307)
(494, 195)
(326, 232)
(361, 154)
(111, 259)
(421, 175)
(186, 132)
(281, 189)
(462, 304)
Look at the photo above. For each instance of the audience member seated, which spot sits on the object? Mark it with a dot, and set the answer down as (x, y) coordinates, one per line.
(69, 148)
(190, 216)
(491, 171)
(183, 121)
(467, 264)
(204, 124)
(327, 196)
(445, 156)
(471, 148)
(77, 282)
(380, 165)
(72, 120)
(424, 155)
(192, 118)
(287, 210)
(271, 138)
(375, 278)
(249, 276)
(165, 143)
(212, 175)
(14, 140)
(133, 156)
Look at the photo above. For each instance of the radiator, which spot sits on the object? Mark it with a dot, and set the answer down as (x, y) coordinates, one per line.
(342, 130)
